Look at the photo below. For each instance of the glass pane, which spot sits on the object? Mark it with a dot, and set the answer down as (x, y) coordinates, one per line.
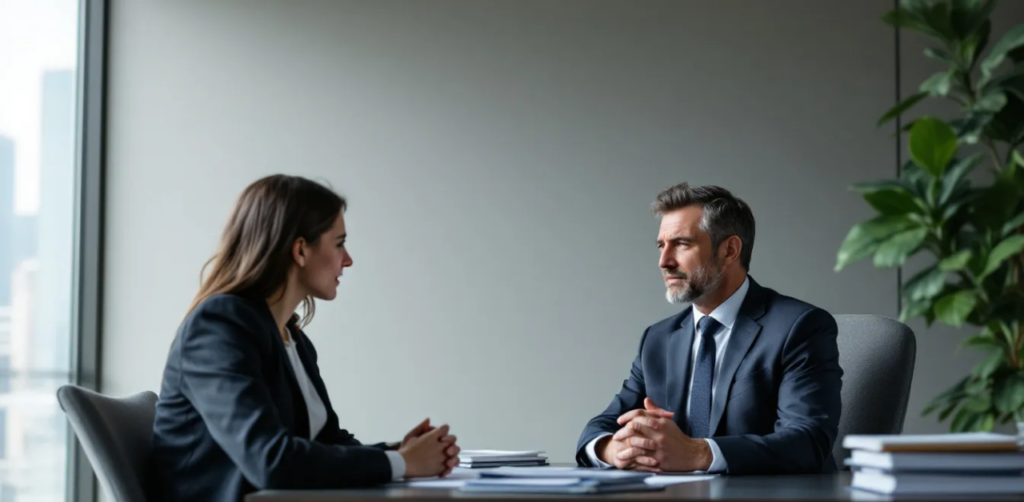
(38, 81)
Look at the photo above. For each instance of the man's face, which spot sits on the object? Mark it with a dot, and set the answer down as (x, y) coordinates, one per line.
(688, 264)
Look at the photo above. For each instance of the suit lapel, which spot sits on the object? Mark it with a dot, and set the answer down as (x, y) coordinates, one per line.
(744, 332)
(680, 343)
(301, 425)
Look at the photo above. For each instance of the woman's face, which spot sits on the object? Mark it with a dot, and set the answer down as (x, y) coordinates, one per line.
(320, 265)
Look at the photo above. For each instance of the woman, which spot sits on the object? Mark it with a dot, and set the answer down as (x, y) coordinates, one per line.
(242, 406)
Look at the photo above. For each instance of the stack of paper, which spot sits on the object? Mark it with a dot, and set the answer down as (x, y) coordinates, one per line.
(558, 481)
(971, 463)
(496, 458)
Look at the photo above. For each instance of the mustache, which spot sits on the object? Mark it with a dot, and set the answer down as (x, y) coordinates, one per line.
(675, 275)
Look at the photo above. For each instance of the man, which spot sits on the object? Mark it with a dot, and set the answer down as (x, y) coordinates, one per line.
(746, 381)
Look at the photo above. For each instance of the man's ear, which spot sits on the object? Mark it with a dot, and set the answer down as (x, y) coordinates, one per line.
(299, 251)
(730, 250)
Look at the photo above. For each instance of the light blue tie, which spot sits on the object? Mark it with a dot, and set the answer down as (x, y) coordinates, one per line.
(703, 380)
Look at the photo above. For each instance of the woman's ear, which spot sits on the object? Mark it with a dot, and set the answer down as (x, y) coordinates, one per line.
(299, 251)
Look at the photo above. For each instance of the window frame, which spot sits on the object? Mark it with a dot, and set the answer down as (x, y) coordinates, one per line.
(87, 300)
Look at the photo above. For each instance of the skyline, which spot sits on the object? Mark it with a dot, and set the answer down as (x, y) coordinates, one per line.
(35, 38)
(36, 277)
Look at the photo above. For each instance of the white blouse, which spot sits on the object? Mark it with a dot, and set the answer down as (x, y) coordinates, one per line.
(318, 412)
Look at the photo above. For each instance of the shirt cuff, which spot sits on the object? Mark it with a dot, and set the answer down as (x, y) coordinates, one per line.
(397, 465)
(718, 463)
(592, 452)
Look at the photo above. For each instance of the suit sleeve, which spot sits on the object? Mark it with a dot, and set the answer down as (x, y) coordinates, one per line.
(808, 406)
(630, 397)
(221, 371)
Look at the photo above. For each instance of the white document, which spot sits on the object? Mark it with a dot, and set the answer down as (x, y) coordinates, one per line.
(676, 479)
(457, 479)
(970, 441)
(499, 453)
(564, 472)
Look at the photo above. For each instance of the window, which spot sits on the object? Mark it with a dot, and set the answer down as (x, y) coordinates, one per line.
(39, 131)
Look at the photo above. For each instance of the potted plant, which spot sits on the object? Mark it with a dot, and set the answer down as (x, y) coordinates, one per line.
(972, 233)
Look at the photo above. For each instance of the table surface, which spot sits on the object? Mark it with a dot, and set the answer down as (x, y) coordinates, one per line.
(825, 487)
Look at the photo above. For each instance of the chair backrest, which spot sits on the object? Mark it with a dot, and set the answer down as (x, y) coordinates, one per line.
(877, 356)
(117, 436)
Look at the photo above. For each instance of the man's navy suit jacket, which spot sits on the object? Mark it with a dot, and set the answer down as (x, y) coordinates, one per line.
(777, 405)
(231, 418)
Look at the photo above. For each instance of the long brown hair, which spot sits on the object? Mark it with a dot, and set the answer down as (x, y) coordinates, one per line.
(255, 251)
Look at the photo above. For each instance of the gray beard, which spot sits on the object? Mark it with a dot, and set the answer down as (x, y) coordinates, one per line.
(698, 286)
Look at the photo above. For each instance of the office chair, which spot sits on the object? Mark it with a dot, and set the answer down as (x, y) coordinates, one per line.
(116, 434)
(877, 356)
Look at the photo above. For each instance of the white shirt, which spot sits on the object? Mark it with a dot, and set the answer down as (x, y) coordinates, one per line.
(318, 412)
(725, 314)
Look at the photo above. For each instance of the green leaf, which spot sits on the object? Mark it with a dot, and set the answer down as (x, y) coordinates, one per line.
(985, 424)
(975, 386)
(954, 308)
(970, 15)
(1008, 393)
(1008, 81)
(1010, 246)
(932, 144)
(1010, 41)
(984, 342)
(937, 17)
(970, 127)
(996, 205)
(942, 55)
(914, 15)
(956, 173)
(979, 403)
(989, 365)
(864, 238)
(912, 309)
(925, 285)
(892, 202)
(894, 251)
(1008, 124)
(947, 411)
(992, 102)
(878, 186)
(901, 107)
(948, 398)
(956, 262)
(964, 421)
(1013, 225)
(938, 84)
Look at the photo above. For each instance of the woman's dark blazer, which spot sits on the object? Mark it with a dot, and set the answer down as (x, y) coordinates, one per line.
(231, 418)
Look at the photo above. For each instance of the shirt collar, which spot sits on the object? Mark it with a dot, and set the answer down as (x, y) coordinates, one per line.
(726, 313)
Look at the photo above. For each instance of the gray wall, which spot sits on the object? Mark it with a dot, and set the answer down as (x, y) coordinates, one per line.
(499, 158)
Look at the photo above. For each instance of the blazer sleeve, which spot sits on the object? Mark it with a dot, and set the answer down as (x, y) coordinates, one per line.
(630, 397)
(221, 371)
(809, 406)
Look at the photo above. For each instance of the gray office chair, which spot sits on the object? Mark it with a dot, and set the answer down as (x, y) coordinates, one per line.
(877, 356)
(116, 434)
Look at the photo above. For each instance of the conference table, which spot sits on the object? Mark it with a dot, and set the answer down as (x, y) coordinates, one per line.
(815, 487)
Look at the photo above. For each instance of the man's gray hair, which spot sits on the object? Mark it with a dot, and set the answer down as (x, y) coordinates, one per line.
(724, 214)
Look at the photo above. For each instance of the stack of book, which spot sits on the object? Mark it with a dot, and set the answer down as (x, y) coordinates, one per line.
(475, 459)
(969, 463)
